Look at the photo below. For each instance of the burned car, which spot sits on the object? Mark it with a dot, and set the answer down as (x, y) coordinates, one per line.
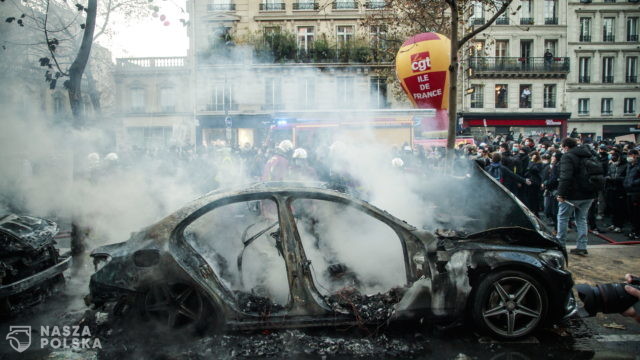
(280, 255)
(30, 262)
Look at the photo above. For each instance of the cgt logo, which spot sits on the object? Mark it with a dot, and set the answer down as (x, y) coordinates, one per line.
(19, 337)
(420, 62)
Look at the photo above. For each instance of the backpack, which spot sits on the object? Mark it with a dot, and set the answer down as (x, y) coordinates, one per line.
(496, 172)
(592, 175)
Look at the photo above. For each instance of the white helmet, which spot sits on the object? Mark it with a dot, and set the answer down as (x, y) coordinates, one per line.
(93, 157)
(300, 153)
(397, 163)
(111, 157)
(285, 145)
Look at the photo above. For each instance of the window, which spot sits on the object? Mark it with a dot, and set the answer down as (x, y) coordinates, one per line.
(502, 48)
(137, 99)
(220, 5)
(607, 69)
(606, 106)
(306, 93)
(502, 96)
(150, 137)
(272, 5)
(503, 19)
(608, 29)
(344, 90)
(583, 106)
(337, 233)
(344, 35)
(376, 4)
(549, 96)
(305, 5)
(58, 103)
(477, 96)
(632, 29)
(526, 12)
(345, 4)
(305, 37)
(378, 35)
(630, 106)
(631, 69)
(273, 94)
(476, 48)
(525, 96)
(241, 243)
(584, 70)
(167, 99)
(379, 92)
(477, 17)
(552, 46)
(221, 98)
(585, 29)
(550, 12)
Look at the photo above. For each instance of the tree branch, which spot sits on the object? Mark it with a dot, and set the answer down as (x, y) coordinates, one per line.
(480, 29)
(46, 36)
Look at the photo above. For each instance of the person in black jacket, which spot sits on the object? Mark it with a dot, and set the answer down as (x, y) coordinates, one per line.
(603, 155)
(632, 187)
(573, 195)
(551, 174)
(502, 173)
(614, 191)
(532, 191)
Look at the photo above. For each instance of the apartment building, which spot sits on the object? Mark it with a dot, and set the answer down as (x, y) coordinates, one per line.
(515, 72)
(603, 89)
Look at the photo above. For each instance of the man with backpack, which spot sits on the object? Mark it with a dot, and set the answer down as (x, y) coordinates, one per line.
(581, 177)
(502, 173)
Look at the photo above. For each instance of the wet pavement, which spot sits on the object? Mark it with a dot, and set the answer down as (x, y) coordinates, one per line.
(610, 336)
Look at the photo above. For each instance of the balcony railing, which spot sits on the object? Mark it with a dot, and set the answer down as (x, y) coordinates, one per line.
(526, 21)
(607, 79)
(478, 21)
(519, 64)
(549, 103)
(608, 38)
(631, 79)
(150, 63)
(551, 21)
(221, 7)
(633, 38)
(583, 112)
(606, 112)
(272, 7)
(345, 5)
(375, 5)
(502, 21)
(306, 6)
(584, 79)
(585, 38)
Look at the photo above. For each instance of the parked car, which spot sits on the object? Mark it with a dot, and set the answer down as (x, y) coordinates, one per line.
(30, 262)
(280, 255)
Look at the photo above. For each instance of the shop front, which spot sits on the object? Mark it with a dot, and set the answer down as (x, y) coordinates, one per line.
(527, 124)
(232, 130)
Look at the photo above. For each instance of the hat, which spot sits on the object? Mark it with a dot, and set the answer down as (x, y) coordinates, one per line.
(633, 152)
(603, 146)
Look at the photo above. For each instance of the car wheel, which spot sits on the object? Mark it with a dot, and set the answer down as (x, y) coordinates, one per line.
(509, 304)
(174, 306)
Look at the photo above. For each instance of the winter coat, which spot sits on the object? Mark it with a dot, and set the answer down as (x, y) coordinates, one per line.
(534, 173)
(504, 175)
(551, 179)
(632, 180)
(615, 176)
(276, 169)
(571, 171)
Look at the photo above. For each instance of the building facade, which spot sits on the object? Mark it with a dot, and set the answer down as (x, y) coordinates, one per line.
(515, 72)
(603, 89)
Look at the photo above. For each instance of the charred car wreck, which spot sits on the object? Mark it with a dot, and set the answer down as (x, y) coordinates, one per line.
(30, 263)
(287, 255)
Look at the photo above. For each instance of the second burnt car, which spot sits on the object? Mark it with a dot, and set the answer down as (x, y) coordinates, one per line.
(282, 255)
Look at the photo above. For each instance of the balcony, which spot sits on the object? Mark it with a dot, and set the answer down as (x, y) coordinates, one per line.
(345, 5)
(632, 38)
(502, 21)
(478, 21)
(150, 63)
(585, 38)
(526, 21)
(306, 6)
(519, 67)
(607, 79)
(221, 7)
(631, 79)
(608, 38)
(584, 79)
(272, 7)
(551, 21)
(375, 5)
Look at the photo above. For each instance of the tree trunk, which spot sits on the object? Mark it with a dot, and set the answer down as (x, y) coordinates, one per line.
(453, 79)
(79, 64)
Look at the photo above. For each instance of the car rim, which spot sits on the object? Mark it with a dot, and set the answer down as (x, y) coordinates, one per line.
(513, 307)
(174, 305)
